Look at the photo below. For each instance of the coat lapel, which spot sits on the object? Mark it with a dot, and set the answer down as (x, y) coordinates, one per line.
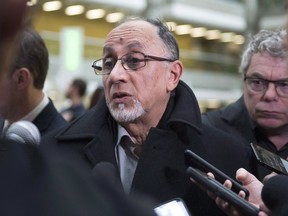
(95, 131)
(237, 115)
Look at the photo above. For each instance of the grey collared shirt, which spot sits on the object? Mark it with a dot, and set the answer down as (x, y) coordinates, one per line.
(127, 164)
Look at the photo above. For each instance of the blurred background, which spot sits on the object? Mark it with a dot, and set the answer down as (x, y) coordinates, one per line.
(211, 36)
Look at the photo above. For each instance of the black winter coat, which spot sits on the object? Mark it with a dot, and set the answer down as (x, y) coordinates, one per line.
(161, 170)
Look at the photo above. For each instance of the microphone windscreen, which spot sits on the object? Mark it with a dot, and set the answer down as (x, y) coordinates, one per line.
(23, 132)
(275, 194)
(106, 170)
(105, 173)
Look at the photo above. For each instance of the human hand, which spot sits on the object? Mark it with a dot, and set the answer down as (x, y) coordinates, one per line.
(253, 185)
(226, 206)
(264, 211)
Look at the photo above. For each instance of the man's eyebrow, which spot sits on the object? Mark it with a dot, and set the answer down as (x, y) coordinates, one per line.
(256, 74)
(134, 44)
(107, 49)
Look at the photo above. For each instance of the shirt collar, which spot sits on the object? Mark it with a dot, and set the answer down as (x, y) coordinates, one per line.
(121, 132)
(35, 112)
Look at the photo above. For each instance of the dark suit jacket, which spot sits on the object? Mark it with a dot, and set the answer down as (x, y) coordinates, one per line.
(233, 119)
(47, 120)
(161, 170)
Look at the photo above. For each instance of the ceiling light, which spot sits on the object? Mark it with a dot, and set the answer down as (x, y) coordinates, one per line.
(183, 29)
(114, 17)
(227, 37)
(74, 10)
(212, 34)
(52, 6)
(171, 25)
(239, 39)
(95, 14)
(31, 2)
(198, 32)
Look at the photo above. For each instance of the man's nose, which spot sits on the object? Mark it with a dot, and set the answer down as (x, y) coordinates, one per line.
(271, 91)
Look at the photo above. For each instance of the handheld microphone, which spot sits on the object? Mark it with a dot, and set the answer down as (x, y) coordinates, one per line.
(23, 132)
(275, 194)
(107, 171)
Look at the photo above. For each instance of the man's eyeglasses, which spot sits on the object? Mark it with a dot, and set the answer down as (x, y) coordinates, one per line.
(260, 85)
(131, 61)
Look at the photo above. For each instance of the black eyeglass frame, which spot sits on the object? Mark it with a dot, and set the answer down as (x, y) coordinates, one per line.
(146, 58)
(277, 83)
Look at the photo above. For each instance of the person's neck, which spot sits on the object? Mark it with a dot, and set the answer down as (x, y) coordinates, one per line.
(139, 129)
(25, 104)
(76, 101)
(278, 137)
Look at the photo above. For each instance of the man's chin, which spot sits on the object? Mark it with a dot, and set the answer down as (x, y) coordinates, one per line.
(269, 123)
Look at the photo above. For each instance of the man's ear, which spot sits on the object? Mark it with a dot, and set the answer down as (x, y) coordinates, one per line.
(176, 70)
(22, 78)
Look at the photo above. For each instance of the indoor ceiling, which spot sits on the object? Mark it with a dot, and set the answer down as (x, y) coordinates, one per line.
(214, 17)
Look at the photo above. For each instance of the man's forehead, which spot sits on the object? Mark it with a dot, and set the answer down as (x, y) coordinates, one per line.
(133, 34)
(135, 27)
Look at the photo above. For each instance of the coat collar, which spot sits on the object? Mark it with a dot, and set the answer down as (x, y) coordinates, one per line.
(186, 109)
(45, 118)
(236, 113)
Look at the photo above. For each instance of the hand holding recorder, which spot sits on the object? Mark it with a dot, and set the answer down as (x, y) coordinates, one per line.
(195, 161)
(224, 194)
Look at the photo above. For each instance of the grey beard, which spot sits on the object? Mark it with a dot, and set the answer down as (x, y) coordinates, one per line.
(122, 114)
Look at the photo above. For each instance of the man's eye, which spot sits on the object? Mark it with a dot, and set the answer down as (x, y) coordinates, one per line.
(257, 82)
(283, 84)
(133, 62)
(108, 64)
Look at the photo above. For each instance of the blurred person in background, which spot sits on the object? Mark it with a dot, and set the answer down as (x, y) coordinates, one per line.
(260, 116)
(95, 96)
(22, 82)
(75, 94)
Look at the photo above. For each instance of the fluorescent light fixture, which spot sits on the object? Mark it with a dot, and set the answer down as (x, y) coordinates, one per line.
(71, 48)
(52, 6)
(198, 32)
(227, 37)
(182, 29)
(31, 2)
(74, 10)
(114, 17)
(171, 25)
(204, 16)
(212, 34)
(239, 39)
(137, 6)
(95, 14)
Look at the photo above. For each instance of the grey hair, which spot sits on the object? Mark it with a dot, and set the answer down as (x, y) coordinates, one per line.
(272, 42)
(164, 33)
